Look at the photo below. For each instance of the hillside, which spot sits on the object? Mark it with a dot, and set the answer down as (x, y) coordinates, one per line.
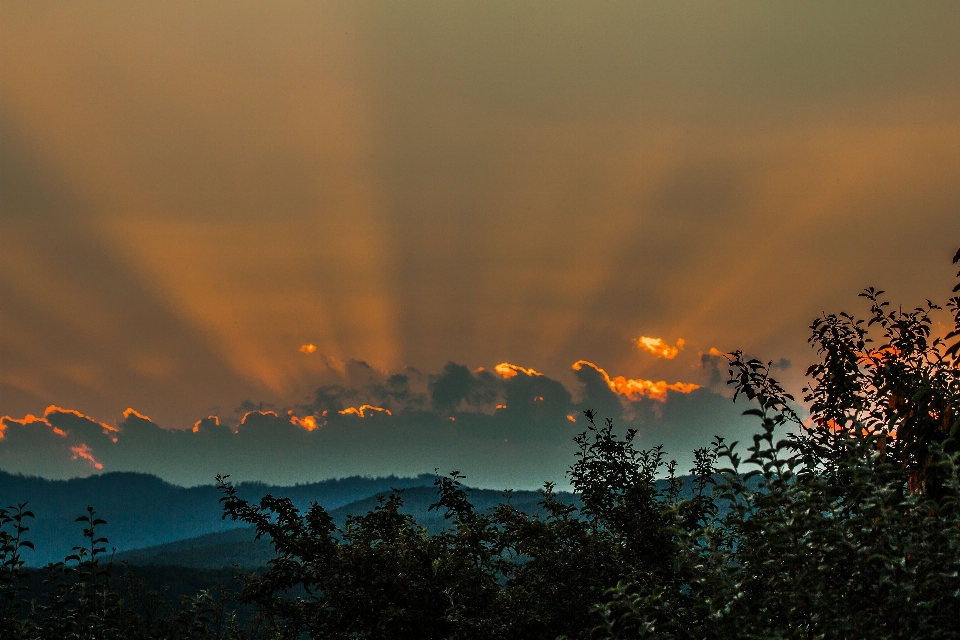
(238, 547)
(141, 510)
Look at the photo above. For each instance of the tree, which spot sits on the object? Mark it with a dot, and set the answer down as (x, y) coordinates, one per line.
(847, 526)
(504, 574)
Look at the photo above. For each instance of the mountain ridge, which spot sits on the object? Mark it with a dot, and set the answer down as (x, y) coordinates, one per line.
(237, 546)
(143, 510)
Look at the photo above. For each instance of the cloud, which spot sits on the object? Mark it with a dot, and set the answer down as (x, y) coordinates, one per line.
(508, 370)
(250, 414)
(364, 411)
(130, 411)
(659, 348)
(83, 452)
(513, 430)
(57, 412)
(783, 364)
(635, 388)
(45, 445)
(456, 387)
(213, 421)
(712, 362)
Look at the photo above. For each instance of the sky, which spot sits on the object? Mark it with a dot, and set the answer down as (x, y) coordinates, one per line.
(286, 208)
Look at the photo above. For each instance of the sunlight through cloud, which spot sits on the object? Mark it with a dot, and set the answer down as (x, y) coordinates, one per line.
(508, 370)
(659, 348)
(634, 389)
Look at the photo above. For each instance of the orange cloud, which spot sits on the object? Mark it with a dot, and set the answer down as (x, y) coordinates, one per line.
(28, 419)
(308, 348)
(243, 420)
(501, 406)
(508, 370)
(359, 411)
(634, 389)
(130, 411)
(659, 348)
(85, 452)
(571, 417)
(196, 425)
(55, 409)
(307, 422)
(32, 419)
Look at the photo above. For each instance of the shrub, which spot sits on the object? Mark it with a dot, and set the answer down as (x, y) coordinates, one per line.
(505, 574)
(848, 526)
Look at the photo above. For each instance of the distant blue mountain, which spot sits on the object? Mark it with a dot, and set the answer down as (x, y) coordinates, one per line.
(142, 510)
(152, 521)
(238, 546)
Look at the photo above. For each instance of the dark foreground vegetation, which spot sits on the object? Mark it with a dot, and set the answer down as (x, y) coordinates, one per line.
(845, 525)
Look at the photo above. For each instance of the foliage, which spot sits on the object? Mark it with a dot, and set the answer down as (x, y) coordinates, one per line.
(12, 530)
(845, 524)
(851, 528)
(81, 600)
(504, 574)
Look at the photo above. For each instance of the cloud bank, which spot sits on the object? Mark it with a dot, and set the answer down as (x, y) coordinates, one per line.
(511, 426)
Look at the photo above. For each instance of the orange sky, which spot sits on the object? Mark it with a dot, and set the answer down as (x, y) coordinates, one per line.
(190, 192)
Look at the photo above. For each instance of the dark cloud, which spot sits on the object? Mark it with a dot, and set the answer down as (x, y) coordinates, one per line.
(248, 406)
(714, 364)
(391, 391)
(501, 432)
(783, 364)
(597, 395)
(456, 388)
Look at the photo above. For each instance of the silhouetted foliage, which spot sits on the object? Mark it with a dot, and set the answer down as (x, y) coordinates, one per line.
(852, 528)
(499, 574)
(842, 525)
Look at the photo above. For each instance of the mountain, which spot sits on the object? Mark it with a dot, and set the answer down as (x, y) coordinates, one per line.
(238, 547)
(150, 521)
(141, 510)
